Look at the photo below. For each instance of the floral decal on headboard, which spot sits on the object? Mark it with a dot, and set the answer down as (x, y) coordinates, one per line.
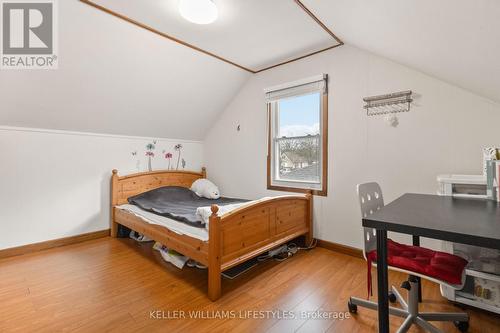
(150, 147)
(168, 157)
(178, 148)
(137, 162)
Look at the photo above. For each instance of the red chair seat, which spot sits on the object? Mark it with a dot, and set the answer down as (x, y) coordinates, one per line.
(439, 265)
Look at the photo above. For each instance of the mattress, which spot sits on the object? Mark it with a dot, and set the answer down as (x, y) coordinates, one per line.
(173, 225)
(179, 203)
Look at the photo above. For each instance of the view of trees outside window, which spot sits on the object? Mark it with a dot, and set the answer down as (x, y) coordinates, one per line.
(298, 138)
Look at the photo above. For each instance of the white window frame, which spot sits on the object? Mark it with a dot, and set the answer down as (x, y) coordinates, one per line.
(316, 84)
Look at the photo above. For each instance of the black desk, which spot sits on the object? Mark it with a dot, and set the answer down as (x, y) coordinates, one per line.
(467, 221)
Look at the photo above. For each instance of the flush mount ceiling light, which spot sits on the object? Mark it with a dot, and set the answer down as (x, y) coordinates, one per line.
(198, 11)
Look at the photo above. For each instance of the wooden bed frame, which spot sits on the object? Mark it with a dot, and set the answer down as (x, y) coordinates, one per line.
(233, 237)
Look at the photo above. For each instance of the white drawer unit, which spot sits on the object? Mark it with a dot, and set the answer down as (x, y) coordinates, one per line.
(482, 287)
(466, 186)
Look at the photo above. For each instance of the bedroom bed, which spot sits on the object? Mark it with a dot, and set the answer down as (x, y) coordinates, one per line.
(233, 237)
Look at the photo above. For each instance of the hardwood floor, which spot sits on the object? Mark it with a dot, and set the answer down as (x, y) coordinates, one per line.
(116, 285)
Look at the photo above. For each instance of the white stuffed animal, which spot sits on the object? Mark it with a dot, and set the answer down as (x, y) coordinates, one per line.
(205, 188)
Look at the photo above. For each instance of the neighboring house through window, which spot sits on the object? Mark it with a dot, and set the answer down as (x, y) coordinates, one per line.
(297, 148)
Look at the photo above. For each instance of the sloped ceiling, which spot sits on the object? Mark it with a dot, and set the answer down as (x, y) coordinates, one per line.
(116, 78)
(455, 40)
(254, 34)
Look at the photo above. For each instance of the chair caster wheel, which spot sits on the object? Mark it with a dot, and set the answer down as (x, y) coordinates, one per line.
(462, 326)
(392, 297)
(353, 308)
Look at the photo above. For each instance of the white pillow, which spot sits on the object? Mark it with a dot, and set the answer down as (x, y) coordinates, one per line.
(205, 188)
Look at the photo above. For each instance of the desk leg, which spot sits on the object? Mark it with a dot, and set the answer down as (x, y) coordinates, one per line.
(383, 289)
(416, 242)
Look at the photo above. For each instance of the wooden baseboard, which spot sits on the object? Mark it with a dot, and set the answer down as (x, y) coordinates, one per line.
(24, 249)
(30, 248)
(349, 250)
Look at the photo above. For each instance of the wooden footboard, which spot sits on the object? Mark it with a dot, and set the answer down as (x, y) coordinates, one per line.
(251, 230)
(233, 237)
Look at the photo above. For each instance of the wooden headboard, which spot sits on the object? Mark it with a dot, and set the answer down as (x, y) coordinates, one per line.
(126, 186)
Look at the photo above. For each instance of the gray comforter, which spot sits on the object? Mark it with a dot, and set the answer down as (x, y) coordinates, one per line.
(177, 203)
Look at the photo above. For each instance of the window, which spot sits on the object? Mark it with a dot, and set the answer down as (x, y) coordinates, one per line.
(297, 147)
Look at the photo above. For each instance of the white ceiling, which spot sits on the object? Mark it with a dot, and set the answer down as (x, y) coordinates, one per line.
(454, 40)
(119, 79)
(116, 78)
(254, 34)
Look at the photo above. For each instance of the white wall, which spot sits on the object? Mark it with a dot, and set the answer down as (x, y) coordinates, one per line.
(454, 44)
(443, 133)
(117, 78)
(56, 184)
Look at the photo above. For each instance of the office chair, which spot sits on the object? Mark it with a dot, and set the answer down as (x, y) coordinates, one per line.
(400, 258)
